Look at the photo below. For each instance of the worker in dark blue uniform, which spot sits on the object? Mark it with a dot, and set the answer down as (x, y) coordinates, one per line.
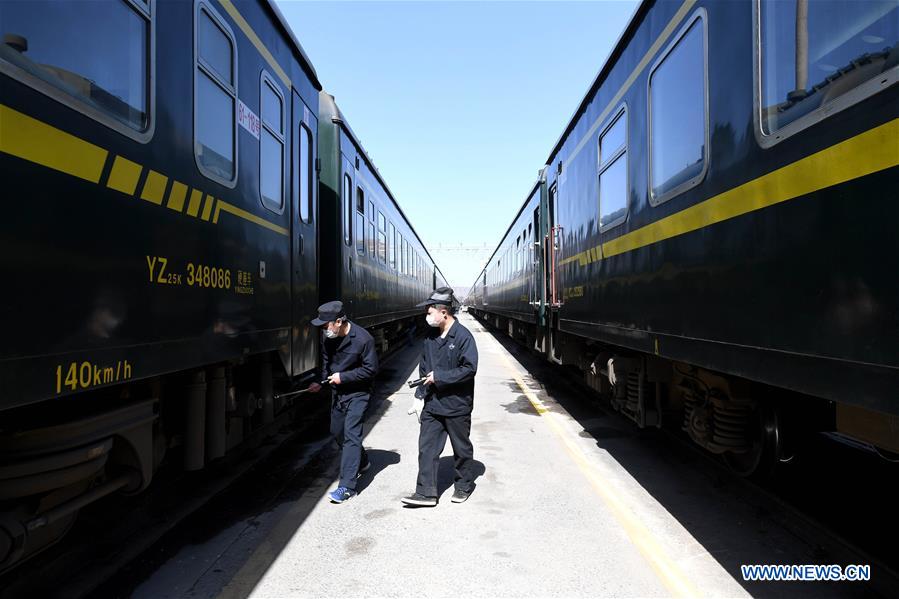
(449, 362)
(349, 363)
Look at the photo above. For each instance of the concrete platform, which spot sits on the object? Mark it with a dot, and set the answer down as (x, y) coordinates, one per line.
(569, 502)
(551, 515)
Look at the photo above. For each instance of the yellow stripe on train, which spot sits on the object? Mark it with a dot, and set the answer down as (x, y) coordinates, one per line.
(35, 141)
(869, 152)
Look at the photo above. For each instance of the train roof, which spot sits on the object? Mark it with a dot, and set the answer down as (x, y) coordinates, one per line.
(304, 59)
(338, 118)
(617, 49)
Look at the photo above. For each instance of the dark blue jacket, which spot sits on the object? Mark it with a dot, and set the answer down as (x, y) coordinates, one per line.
(454, 360)
(354, 357)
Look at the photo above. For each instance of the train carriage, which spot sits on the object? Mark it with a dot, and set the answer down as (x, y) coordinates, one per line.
(380, 266)
(718, 236)
(165, 243)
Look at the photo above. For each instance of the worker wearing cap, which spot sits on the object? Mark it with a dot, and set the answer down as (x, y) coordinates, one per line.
(349, 363)
(449, 362)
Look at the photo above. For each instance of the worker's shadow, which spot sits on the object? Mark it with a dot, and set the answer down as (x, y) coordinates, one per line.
(379, 460)
(446, 473)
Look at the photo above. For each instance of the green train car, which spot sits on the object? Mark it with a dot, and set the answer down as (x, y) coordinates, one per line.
(171, 224)
(714, 239)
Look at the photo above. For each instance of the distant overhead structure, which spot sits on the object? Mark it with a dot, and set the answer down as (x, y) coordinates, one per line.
(461, 247)
(458, 260)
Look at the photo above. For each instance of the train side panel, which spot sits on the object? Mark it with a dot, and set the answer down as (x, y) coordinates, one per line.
(136, 264)
(792, 292)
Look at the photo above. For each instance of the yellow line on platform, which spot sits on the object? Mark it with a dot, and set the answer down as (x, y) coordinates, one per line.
(665, 568)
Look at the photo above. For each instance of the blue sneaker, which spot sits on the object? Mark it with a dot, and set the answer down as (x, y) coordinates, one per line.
(341, 494)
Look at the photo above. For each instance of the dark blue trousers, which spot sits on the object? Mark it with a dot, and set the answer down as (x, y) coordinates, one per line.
(347, 416)
(431, 441)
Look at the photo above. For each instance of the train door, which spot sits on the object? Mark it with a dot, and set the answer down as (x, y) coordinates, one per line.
(349, 287)
(551, 287)
(536, 275)
(304, 238)
(551, 252)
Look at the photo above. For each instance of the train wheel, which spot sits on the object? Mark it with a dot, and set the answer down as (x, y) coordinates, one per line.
(17, 543)
(766, 451)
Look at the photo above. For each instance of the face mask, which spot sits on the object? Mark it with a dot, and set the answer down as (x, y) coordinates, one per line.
(432, 321)
(330, 334)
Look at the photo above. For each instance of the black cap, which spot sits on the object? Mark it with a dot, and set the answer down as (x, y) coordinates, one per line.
(328, 312)
(443, 295)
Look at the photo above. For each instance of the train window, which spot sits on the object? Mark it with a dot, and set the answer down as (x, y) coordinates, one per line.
(521, 252)
(391, 251)
(678, 129)
(409, 268)
(347, 209)
(371, 211)
(95, 57)
(382, 237)
(215, 99)
(613, 139)
(613, 172)
(406, 266)
(517, 255)
(215, 49)
(817, 54)
(271, 144)
(306, 167)
(360, 221)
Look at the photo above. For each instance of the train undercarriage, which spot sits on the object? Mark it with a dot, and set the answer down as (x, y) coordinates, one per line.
(63, 454)
(755, 429)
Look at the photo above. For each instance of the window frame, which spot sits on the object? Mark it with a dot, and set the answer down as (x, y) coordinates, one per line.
(620, 112)
(391, 245)
(403, 258)
(348, 208)
(407, 262)
(265, 78)
(382, 257)
(521, 251)
(205, 6)
(360, 234)
(310, 200)
(699, 14)
(146, 10)
(858, 94)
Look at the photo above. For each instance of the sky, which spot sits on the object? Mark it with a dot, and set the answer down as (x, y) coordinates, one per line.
(458, 103)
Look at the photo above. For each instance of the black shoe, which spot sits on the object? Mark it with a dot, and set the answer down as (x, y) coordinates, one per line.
(460, 496)
(420, 500)
(363, 469)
